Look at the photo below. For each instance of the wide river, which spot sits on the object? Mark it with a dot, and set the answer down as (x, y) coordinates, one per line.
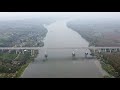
(60, 63)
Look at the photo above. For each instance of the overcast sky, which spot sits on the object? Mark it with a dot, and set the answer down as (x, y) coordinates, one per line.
(23, 15)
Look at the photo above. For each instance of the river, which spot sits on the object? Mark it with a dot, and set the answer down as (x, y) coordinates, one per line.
(60, 63)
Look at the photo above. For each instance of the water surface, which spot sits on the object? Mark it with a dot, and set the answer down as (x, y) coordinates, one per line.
(60, 63)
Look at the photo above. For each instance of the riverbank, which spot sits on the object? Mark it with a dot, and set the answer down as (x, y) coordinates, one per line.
(12, 67)
(20, 33)
(101, 39)
(89, 36)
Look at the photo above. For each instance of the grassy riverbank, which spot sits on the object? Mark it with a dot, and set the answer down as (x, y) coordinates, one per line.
(13, 68)
(21, 70)
(110, 62)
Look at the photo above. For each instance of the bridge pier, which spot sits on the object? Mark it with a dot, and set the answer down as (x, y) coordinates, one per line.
(103, 50)
(107, 50)
(94, 51)
(16, 51)
(9, 51)
(115, 49)
(22, 51)
(99, 51)
(110, 50)
(32, 52)
(2, 50)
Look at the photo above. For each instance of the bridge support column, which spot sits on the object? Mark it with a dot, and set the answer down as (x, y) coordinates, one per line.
(2, 50)
(22, 51)
(99, 50)
(32, 52)
(9, 51)
(16, 51)
(110, 50)
(94, 51)
(115, 49)
(105, 50)
(118, 50)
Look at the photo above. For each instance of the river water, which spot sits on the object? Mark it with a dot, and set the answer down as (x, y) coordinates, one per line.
(60, 63)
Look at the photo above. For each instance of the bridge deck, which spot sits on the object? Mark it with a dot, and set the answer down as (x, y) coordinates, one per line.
(36, 48)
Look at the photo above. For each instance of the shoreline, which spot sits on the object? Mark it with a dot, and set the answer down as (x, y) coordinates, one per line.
(104, 73)
(98, 63)
(21, 76)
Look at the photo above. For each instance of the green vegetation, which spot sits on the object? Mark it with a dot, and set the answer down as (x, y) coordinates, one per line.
(98, 32)
(7, 56)
(12, 65)
(108, 68)
(111, 63)
(20, 71)
(13, 68)
(20, 33)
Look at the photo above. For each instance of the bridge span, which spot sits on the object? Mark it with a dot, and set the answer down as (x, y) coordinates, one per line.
(98, 49)
(37, 48)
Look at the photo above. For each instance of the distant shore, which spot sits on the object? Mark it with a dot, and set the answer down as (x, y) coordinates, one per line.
(100, 40)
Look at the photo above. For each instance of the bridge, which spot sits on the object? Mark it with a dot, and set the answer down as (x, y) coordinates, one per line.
(99, 49)
(37, 48)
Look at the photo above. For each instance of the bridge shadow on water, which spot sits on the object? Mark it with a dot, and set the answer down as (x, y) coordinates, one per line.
(55, 59)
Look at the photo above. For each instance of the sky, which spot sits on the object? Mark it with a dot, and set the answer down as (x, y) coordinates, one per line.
(24, 15)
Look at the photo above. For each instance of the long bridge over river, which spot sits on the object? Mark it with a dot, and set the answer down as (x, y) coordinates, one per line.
(99, 49)
(37, 48)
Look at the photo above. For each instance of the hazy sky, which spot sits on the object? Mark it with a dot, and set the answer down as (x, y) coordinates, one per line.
(22, 15)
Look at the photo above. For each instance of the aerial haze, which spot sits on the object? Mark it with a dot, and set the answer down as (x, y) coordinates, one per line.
(59, 44)
(86, 15)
